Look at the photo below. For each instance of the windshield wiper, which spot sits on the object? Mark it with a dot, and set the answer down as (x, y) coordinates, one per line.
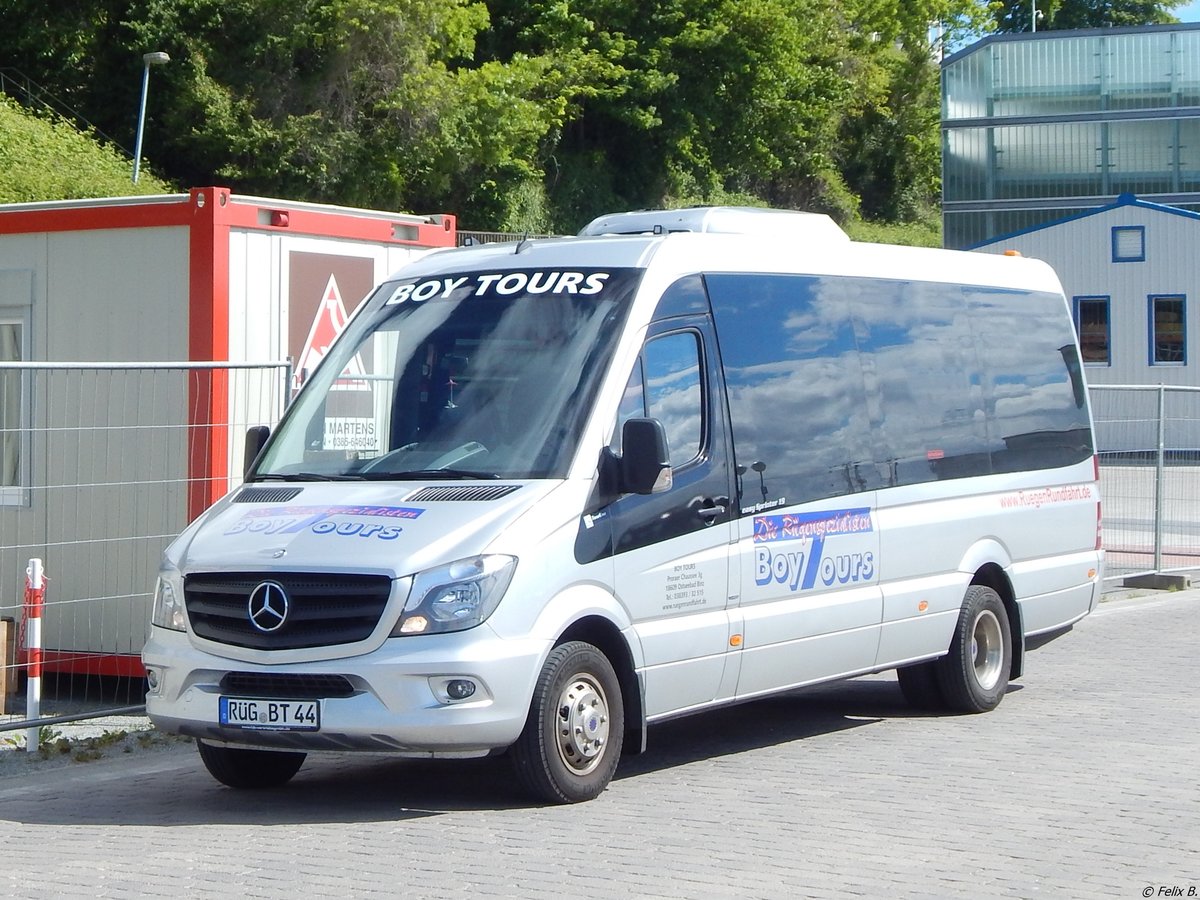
(305, 476)
(430, 475)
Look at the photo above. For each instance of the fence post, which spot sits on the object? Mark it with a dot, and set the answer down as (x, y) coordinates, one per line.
(35, 592)
(1159, 476)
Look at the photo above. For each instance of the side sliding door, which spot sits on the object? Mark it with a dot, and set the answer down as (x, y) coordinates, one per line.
(808, 544)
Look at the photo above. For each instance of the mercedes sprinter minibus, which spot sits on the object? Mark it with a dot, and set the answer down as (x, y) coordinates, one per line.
(541, 495)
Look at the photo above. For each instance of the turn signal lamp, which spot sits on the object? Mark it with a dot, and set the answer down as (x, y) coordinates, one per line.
(414, 625)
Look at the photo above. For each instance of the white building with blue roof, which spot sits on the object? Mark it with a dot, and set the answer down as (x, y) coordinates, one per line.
(1131, 272)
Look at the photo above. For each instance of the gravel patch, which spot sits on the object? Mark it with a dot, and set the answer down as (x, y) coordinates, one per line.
(79, 743)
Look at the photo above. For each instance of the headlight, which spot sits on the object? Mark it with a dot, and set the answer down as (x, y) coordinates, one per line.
(455, 597)
(168, 609)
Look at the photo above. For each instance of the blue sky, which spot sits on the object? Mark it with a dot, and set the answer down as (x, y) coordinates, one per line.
(1189, 13)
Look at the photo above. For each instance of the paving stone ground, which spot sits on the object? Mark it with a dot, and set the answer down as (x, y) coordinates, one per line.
(1083, 783)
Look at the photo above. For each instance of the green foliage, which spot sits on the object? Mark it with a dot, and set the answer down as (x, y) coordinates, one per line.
(1013, 16)
(51, 743)
(525, 115)
(89, 749)
(689, 100)
(925, 232)
(42, 158)
(890, 150)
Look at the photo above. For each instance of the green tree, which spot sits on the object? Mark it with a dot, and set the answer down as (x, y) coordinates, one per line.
(44, 158)
(516, 114)
(367, 102)
(1014, 16)
(693, 101)
(793, 102)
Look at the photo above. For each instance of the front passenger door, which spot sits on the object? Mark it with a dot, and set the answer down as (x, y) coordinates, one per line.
(672, 550)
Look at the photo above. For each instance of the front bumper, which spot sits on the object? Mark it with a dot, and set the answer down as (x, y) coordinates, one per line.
(396, 701)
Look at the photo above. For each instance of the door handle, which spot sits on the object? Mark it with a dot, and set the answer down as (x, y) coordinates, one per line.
(711, 513)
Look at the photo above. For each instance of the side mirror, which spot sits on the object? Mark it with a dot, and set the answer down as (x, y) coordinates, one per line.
(256, 439)
(645, 457)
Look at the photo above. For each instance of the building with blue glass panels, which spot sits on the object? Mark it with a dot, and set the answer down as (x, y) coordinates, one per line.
(1041, 126)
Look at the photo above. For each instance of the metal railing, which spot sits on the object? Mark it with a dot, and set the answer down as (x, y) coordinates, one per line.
(101, 465)
(1148, 438)
(33, 96)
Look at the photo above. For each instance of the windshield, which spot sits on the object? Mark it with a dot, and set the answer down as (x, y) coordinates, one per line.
(471, 375)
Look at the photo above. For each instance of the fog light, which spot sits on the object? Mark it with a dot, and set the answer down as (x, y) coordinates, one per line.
(459, 689)
(152, 679)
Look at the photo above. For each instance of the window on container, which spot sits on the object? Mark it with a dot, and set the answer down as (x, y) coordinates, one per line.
(13, 425)
(1129, 243)
(1168, 332)
(1092, 326)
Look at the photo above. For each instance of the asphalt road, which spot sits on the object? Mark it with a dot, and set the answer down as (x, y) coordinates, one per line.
(1083, 783)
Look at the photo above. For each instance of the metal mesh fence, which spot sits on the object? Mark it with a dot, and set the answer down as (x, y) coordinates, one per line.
(1149, 443)
(101, 465)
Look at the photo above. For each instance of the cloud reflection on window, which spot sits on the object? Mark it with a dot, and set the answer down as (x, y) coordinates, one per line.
(839, 385)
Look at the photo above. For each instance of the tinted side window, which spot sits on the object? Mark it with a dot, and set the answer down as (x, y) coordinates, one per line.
(1033, 382)
(673, 393)
(797, 401)
(686, 297)
(839, 385)
(666, 385)
(920, 353)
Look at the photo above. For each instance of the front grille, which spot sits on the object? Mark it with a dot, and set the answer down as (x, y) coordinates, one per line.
(285, 686)
(323, 610)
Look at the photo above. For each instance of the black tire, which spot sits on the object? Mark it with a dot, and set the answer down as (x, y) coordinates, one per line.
(919, 684)
(572, 739)
(974, 674)
(249, 769)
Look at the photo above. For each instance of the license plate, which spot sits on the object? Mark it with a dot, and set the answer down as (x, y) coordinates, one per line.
(271, 715)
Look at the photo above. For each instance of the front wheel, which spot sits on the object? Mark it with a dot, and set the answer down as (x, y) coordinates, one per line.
(974, 674)
(571, 744)
(250, 769)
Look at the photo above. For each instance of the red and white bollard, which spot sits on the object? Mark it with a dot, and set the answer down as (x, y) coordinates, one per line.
(35, 595)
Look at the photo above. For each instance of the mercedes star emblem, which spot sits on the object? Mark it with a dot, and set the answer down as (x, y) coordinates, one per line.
(268, 606)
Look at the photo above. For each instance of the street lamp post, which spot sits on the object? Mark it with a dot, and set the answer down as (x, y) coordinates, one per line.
(156, 58)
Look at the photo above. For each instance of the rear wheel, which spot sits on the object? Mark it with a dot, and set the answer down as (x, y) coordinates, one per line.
(250, 769)
(571, 744)
(974, 675)
(920, 686)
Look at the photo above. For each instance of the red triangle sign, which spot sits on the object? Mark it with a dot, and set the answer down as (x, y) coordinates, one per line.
(327, 324)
